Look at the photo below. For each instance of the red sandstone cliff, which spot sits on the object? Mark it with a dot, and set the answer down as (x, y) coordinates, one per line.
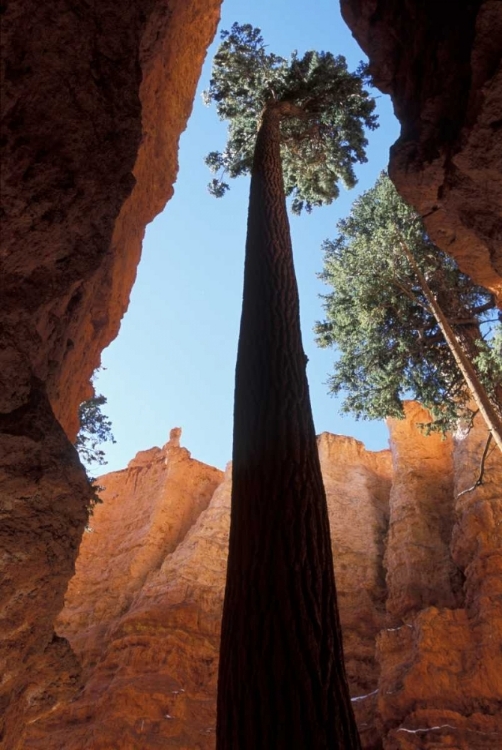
(441, 664)
(93, 101)
(149, 639)
(418, 569)
(147, 511)
(94, 98)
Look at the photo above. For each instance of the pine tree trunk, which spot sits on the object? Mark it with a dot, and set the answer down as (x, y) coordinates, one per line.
(282, 683)
(468, 337)
(488, 410)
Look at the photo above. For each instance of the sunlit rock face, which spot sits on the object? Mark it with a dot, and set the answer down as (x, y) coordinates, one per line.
(417, 564)
(143, 611)
(147, 511)
(418, 560)
(93, 102)
(94, 99)
(441, 63)
(441, 662)
(358, 484)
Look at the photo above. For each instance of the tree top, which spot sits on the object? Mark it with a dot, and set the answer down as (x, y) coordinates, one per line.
(322, 132)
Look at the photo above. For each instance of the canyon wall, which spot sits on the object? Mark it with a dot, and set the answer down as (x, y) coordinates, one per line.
(441, 64)
(441, 663)
(418, 567)
(94, 98)
(143, 610)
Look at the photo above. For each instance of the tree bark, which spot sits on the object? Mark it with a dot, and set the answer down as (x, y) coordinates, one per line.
(282, 683)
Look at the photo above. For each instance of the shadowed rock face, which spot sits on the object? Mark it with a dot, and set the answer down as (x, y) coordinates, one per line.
(94, 98)
(441, 63)
(93, 105)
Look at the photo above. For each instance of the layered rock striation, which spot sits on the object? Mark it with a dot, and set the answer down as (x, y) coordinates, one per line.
(147, 511)
(441, 662)
(93, 101)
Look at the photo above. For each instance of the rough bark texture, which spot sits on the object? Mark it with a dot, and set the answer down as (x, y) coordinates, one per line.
(489, 409)
(94, 97)
(441, 63)
(282, 680)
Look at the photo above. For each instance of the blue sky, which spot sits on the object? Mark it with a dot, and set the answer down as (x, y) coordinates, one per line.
(173, 361)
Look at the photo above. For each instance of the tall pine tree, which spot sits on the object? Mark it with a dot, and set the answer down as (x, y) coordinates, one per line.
(405, 320)
(297, 126)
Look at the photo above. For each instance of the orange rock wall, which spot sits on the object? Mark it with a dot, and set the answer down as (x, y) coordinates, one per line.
(94, 98)
(90, 158)
(42, 514)
(154, 679)
(441, 663)
(147, 511)
(358, 483)
(420, 569)
(418, 579)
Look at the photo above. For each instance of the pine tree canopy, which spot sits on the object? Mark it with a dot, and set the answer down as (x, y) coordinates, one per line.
(324, 110)
(389, 344)
(95, 429)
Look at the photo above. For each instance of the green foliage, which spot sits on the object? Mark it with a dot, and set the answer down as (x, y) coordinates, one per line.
(489, 363)
(95, 429)
(390, 346)
(321, 138)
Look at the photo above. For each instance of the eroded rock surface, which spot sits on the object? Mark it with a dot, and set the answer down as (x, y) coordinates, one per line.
(93, 101)
(441, 63)
(147, 511)
(42, 514)
(94, 98)
(418, 574)
(420, 569)
(358, 484)
(152, 671)
(441, 665)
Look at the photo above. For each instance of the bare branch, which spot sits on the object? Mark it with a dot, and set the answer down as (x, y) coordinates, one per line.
(479, 480)
(490, 305)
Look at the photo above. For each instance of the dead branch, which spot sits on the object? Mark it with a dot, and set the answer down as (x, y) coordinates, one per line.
(479, 480)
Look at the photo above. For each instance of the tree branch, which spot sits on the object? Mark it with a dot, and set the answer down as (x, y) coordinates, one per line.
(479, 480)
(490, 305)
